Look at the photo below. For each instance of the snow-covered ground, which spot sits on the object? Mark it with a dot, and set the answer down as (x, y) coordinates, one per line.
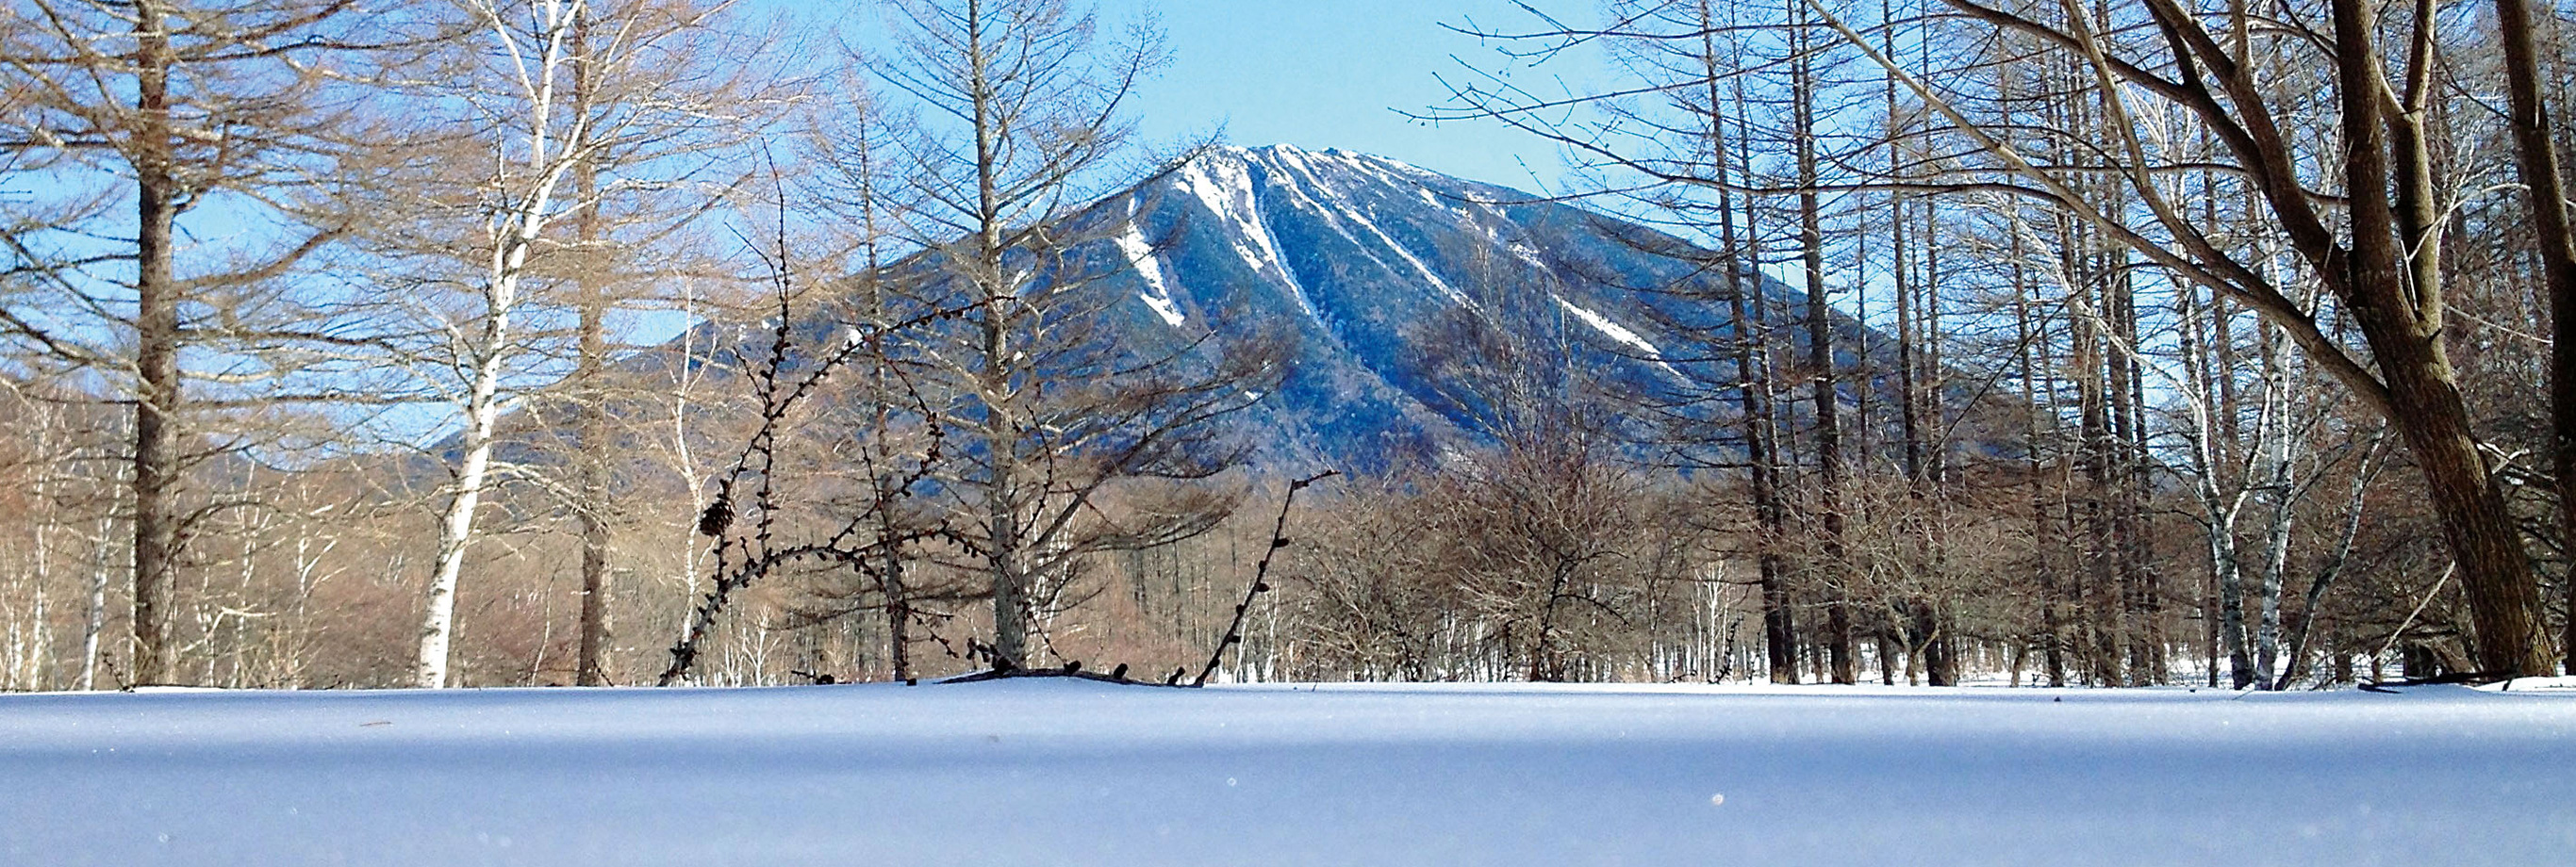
(1069, 772)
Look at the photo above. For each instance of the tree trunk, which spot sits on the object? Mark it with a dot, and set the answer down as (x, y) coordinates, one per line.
(456, 525)
(1007, 562)
(2279, 487)
(2028, 329)
(592, 439)
(1779, 620)
(2396, 299)
(156, 330)
(1828, 391)
(2544, 182)
(100, 567)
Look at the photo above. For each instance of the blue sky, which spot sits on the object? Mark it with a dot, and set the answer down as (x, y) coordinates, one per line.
(1329, 73)
(1333, 73)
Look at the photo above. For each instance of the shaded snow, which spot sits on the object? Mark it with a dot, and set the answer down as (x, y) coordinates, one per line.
(1077, 773)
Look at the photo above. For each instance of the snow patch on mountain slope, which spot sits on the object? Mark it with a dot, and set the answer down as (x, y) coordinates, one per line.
(1344, 214)
(1149, 265)
(1226, 187)
(1613, 330)
(1428, 275)
(1618, 332)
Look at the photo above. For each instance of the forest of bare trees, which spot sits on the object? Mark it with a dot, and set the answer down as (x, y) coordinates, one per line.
(539, 342)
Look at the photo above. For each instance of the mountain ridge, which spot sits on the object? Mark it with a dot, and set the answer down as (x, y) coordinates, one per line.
(1367, 255)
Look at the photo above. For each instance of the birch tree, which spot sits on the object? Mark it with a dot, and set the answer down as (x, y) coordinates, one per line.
(570, 107)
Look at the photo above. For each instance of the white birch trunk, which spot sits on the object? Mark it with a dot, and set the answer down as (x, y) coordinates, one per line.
(456, 526)
(515, 232)
(44, 570)
(97, 622)
(685, 461)
(2280, 485)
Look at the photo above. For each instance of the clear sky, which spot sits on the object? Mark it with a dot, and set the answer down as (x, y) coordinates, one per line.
(1330, 73)
(1334, 73)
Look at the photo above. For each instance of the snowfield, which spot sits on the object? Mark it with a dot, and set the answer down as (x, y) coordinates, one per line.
(1070, 772)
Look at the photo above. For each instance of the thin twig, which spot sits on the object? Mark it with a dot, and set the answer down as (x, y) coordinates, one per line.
(1260, 576)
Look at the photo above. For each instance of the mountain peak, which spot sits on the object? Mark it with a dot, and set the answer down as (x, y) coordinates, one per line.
(1375, 265)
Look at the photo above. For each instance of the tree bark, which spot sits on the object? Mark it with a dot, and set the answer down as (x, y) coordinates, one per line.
(2544, 183)
(1820, 355)
(2400, 314)
(999, 425)
(592, 439)
(156, 330)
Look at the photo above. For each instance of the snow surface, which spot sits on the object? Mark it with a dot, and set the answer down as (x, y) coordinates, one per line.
(1226, 188)
(1062, 772)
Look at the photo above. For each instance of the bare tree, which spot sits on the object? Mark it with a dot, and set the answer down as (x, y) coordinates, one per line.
(1023, 106)
(2384, 270)
(2539, 167)
(573, 110)
(2345, 172)
(144, 114)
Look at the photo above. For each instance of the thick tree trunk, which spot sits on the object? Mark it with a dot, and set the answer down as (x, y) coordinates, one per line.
(593, 445)
(590, 661)
(156, 330)
(2545, 183)
(2504, 600)
(2396, 299)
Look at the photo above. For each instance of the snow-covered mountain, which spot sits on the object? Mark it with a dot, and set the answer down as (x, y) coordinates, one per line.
(1375, 265)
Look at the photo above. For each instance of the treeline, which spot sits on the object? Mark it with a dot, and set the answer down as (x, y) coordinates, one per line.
(2277, 283)
(2209, 344)
(559, 341)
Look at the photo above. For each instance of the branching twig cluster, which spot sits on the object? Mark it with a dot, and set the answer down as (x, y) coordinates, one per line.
(1260, 577)
(744, 557)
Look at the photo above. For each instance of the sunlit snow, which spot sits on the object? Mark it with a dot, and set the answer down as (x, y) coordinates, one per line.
(1618, 332)
(1225, 187)
(1158, 294)
(1344, 214)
